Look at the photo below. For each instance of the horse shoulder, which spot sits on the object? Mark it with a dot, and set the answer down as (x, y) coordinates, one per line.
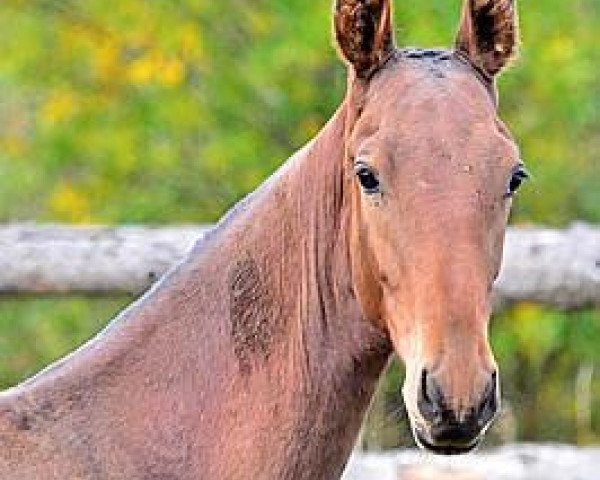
(29, 451)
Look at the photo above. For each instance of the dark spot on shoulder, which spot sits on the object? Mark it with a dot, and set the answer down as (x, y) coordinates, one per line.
(30, 415)
(252, 313)
(23, 422)
(17, 420)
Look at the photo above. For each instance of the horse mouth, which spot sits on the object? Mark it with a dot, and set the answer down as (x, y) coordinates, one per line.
(446, 448)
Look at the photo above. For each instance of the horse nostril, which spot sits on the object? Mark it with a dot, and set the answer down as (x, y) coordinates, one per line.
(430, 399)
(489, 402)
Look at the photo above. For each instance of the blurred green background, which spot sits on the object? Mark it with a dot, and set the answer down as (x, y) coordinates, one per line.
(167, 112)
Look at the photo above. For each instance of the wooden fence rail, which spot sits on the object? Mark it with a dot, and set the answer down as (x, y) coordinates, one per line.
(511, 462)
(555, 267)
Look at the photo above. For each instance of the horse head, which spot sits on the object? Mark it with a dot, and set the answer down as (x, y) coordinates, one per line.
(433, 173)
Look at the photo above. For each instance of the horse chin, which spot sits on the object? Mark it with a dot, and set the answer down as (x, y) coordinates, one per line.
(446, 448)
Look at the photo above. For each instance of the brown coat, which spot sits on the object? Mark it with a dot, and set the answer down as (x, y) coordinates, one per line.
(257, 356)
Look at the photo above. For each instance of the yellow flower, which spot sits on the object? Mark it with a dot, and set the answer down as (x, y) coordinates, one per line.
(141, 70)
(190, 40)
(107, 60)
(69, 204)
(171, 73)
(61, 106)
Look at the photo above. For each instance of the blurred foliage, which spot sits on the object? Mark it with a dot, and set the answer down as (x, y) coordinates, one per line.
(34, 332)
(168, 112)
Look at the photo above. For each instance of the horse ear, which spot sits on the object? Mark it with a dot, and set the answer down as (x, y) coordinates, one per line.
(363, 30)
(488, 33)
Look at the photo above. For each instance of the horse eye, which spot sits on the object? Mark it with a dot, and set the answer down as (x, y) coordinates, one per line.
(367, 178)
(518, 176)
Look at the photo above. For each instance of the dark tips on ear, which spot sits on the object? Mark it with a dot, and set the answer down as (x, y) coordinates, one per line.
(363, 30)
(488, 34)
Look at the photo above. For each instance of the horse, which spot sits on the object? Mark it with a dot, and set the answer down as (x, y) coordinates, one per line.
(257, 356)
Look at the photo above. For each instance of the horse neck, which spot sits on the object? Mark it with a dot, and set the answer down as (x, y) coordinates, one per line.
(312, 367)
(259, 322)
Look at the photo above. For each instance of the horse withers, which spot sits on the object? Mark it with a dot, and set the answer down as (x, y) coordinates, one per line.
(257, 356)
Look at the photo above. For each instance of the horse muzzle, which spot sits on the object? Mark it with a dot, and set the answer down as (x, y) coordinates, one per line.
(445, 431)
(451, 439)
